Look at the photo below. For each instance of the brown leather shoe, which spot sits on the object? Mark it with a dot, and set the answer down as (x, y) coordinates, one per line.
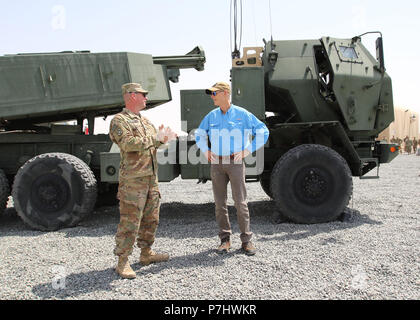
(224, 246)
(148, 256)
(249, 248)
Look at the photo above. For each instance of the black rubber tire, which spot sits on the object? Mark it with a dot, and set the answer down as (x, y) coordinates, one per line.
(265, 185)
(54, 191)
(311, 184)
(4, 191)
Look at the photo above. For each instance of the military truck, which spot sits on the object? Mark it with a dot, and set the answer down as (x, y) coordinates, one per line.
(54, 170)
(324, 101)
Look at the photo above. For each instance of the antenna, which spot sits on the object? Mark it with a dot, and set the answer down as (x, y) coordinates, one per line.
(271, 24)
(255, 24)
(237, 27)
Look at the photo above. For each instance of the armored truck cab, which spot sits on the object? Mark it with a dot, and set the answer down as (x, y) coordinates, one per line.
(324, 101)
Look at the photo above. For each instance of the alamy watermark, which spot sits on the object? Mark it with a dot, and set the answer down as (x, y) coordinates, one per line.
(189, 152)
(359, 278)
(59, 19)
(59, 278)
(359, 14)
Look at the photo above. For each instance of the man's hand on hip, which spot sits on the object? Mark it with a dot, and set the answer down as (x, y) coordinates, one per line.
(238, 156)
(211, 157)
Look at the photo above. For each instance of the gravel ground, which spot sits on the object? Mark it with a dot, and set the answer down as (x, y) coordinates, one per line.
(372, 254)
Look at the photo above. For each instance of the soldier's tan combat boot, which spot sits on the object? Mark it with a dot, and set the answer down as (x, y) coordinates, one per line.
(148, 256)
(124, 269)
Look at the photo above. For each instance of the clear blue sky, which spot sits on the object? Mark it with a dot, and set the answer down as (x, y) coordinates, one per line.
(173, 27)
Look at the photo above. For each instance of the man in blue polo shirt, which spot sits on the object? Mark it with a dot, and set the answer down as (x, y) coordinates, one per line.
(229, 128)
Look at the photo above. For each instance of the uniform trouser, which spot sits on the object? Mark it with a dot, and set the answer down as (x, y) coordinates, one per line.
(139, 214)
(221, 174)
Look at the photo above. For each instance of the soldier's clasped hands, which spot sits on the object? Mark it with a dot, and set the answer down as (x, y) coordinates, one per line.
(165, 134)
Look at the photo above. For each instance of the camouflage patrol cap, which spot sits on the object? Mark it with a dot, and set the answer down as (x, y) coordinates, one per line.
(219, 86)
(133, 87)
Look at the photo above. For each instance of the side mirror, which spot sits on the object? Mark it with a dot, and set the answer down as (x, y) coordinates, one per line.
(380, 54)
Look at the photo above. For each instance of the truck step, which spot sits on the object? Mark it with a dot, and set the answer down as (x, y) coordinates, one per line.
(370, 160)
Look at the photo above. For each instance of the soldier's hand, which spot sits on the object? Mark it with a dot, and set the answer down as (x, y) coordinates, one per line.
(169, 134)
(161, 134)
(166, 134)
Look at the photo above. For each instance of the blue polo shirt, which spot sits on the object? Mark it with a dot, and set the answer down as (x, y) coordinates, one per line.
(232, 132)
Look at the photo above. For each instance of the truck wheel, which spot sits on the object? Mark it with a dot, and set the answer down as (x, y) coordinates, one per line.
(265, 184)
(4, 191)
(53, 191)
(311, 184)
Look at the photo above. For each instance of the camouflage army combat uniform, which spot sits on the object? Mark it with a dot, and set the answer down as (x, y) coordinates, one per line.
(415, 142)
(408, 144)
(399, 141)
(138, 190)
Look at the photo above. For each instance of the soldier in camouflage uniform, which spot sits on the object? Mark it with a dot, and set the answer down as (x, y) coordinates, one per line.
(393, 140)
(415, 145)
(399, 141)
(138, 190)
(407, 144)
(418, 146)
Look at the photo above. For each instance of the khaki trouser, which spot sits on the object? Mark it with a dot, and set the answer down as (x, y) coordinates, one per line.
(221, 174)
(139, 214)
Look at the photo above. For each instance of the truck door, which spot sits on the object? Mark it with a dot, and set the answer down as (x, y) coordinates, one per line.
(357, 83)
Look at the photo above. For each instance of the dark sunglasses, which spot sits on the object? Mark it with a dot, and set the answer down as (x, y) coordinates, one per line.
(214, 93)
(144, 94)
